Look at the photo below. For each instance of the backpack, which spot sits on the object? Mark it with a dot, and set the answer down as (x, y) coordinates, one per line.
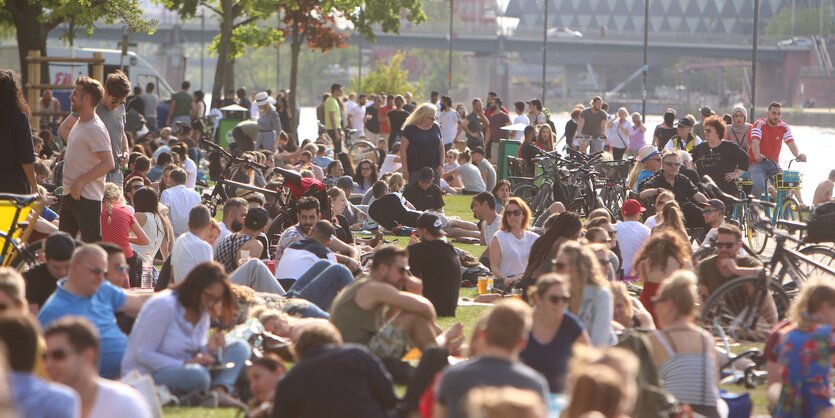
(821, 224)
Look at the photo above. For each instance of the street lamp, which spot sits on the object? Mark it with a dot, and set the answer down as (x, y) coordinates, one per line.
(754, 58)
(646, 66)
(449, 70)
(544, 49)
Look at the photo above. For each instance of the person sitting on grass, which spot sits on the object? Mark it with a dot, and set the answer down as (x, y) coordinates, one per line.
(359, 311)
(436, 263)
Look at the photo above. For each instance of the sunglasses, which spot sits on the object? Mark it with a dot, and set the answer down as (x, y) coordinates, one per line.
(95, 270)
(673, 164)
(516, 212)
(724, 244)
(57, 355)
(555, 299)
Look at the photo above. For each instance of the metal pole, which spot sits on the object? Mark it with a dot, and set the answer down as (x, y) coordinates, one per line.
(754, 59)
(359, 66)
(646, 66)
(794, 10)
(278, 54)
(449, 71)
(544, 50)
(820, 20)
(203, 50)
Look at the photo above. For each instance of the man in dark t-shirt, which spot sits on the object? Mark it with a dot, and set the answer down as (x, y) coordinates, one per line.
(42, 279)
(435, 262)
(424, 194)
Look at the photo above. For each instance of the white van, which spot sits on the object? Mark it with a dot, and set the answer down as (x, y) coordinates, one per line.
(139, 71)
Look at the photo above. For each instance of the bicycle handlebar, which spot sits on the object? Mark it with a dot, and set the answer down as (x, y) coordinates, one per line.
(232, 157)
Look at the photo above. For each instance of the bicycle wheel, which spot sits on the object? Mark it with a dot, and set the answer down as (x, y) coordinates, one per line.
(744, 310)
(28, 256)
(820, 253)
(362, 150)
(526, 192)
(613, 198)
(284, 220)
(757, 236)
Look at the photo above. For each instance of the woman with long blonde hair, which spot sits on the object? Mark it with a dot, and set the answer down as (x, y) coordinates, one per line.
(420, 132)
(672, 220)
(591, 298)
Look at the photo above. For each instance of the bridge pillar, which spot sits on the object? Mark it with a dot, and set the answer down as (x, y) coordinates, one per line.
(480, 76)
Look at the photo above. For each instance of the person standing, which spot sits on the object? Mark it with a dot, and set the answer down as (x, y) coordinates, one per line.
(333, 117)
(421, 144)
(636, 136)
(397, 118)
(179, 109)
(665, 130)
(767, 137)
(449, 121)
(699, 129)
(520, 117)
(631, 234)
(475, 123)
(73, 348)
(49, 103)
(356, 116)
(535, 115)
(87, 160)
(151, 100)
(17, 164)
(372, 119)
(269, 123)
(592, 126)
(619, 130)
(684, 139)
(498, 119)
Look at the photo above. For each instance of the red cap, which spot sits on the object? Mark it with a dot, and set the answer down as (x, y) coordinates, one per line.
(631, 207)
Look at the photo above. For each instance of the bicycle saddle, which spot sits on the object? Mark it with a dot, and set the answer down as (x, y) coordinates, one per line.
(20, 200)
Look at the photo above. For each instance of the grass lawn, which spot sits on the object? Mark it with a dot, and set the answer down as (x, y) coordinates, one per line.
(468, 315)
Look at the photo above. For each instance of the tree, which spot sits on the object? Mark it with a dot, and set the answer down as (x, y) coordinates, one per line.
(806, 22)
(314, 22)
(390, 78)
(239, 29)
(34, 19)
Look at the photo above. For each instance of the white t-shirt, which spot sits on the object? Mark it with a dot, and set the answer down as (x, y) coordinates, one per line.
(515, 252)
(189, 251)
(471, 177)
(357, 115)
(119, 399)
(519, 135)
(449, 125)
(85, 140)
(617, 138)
(295, 262)
(389, 166)
(491, 229)
(179, 200)
(191, 172)
(631, 238)
(651, 222)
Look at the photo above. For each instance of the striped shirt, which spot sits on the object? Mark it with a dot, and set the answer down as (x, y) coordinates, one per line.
(771, 138)
(690, 377)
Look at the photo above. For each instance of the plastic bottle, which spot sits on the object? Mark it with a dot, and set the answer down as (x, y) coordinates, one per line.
(147, 272)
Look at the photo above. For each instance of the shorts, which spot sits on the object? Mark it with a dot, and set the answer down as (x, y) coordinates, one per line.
(445, 223)
(596, 145)
(390, 341)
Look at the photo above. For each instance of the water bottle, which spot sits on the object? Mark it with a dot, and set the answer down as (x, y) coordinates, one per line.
(147, 272)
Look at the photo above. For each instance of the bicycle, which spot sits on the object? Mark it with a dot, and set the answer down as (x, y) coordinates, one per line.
(15, 228)
(614, 190)
(746, 308)
(786, 206)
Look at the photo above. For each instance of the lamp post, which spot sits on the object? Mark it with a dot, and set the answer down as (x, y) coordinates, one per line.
(202, 48)
(646, 66)
(754, 58)
(544, 49)
(449, 70)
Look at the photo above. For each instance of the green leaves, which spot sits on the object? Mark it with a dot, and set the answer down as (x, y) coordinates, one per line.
(388, 77)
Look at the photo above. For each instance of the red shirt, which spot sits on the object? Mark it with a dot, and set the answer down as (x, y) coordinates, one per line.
(117, 228)
(771, 139)
(384, 120)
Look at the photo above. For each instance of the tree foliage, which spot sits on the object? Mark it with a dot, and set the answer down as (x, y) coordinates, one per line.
(391, 78)
(806, 22)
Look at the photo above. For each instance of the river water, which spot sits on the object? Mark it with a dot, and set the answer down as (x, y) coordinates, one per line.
(815, 142)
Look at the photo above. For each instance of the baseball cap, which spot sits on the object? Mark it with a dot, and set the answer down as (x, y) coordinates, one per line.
(426, 174)
(685, 122)
(430, 222)
(59, 246)
(631, 207)
(256, 218)
(477, 150)
(715, 204)
(706, 111)
(646, 153)
(345, 182)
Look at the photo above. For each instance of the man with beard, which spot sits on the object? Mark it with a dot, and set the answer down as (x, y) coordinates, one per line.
(87, 160)
(234, 212)
(727, 264)
(308, 209)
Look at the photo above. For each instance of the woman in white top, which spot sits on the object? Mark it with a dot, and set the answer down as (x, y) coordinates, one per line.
(146, 203)
(660, 201)
(451, 163)
(511, 246)
(471, 181)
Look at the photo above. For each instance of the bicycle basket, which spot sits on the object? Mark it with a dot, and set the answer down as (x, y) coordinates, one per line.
(745, 180)
(788, 180)
(613, 170)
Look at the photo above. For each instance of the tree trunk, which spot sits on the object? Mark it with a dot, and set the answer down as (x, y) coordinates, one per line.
(31, 34)
(227, 20)
(295, 49)
(229, 76)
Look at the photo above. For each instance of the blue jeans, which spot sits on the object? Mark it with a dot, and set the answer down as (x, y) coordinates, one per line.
(194, 377)
(321, 283)
(759, 172)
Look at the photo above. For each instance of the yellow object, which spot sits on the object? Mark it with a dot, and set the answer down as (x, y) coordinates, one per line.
(482, 285)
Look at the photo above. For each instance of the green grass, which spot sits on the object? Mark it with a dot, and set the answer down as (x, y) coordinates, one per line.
(467, 315)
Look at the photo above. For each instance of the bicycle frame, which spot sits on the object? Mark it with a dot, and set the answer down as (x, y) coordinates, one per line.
(12, 246)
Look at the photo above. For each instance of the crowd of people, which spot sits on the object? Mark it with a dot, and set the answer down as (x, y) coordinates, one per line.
(138, 277)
